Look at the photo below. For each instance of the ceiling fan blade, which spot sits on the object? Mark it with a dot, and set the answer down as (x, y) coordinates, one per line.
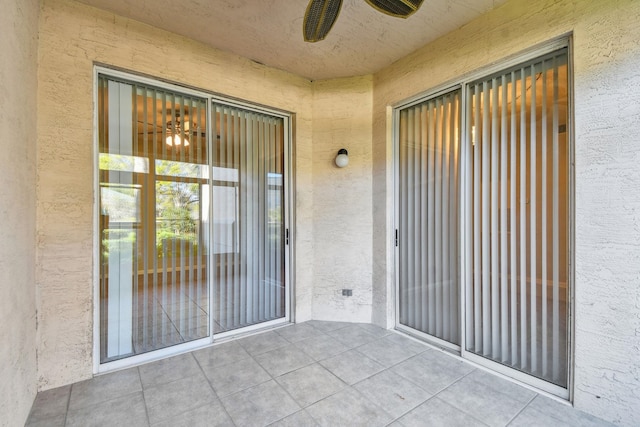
(319, 18)
(397, 8)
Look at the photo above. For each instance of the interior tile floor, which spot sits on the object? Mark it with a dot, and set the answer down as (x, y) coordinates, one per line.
(307, 374)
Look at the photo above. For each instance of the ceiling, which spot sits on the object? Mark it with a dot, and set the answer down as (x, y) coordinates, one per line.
(361, 42)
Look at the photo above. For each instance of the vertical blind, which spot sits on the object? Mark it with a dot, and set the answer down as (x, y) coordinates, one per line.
(516, 225)
(428, 217)
(248, 213)
(153, 218)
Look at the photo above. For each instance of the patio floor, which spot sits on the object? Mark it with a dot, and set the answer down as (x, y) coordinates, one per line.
(312, 373)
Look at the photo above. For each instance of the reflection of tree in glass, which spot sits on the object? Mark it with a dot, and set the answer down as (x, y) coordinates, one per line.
(115, 162)
(275, 221)
(119, 208)
(177, 210)
(177, 203)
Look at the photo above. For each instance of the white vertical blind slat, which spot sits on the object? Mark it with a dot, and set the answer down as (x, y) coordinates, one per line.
(454, 161)
(485, 147)
(430, 217)
(411, 220)
(422, 296)
(445, 233)
(523, 221)
(403, 231)
(477, 225)
(533, 282)
(279, 148)
(239, 317)
(543, 227)
(437, 237)
(555, 228)
(246, 317)
(504, 181)
(470, 240)
(416, 172)
(494, 206)
(513, 144)
(246, 173)
(258, 178)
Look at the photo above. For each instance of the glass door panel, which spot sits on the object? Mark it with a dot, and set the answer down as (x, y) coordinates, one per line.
(248, 215)
(428, 217)
(154, 218)
(518, 219)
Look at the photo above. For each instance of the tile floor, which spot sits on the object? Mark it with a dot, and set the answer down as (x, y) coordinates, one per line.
(308, 374)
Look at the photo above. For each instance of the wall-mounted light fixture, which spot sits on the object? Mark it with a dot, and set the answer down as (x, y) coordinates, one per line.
(342, 159)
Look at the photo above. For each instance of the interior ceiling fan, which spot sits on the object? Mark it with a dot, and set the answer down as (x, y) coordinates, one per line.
(322, 14)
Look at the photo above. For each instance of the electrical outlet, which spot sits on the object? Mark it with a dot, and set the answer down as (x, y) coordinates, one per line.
(347, 292)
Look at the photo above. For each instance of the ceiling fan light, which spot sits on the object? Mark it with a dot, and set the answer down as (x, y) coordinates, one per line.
(397, 8)
(319, 19)
(174, 132)
(175, 140)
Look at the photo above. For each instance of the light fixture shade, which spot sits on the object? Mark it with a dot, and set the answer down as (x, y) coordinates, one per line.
(175, 140)
(342, 159)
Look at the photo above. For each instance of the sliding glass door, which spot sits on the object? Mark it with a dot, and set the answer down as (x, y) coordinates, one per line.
(483, 228)
(191, 217)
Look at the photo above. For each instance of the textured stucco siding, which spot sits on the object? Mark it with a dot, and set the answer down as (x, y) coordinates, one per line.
(72, 38)
(342, 219)
(18, 97)
(606, 59)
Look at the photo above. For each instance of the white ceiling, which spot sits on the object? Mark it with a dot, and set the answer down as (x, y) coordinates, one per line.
(362, 40)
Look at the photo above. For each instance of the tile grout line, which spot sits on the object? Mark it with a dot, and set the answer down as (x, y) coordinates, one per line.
(144, 398)
(241, 390)
(459, 409)
(346, 385)
(302, 408)
(181, 379)
(407, 379)
(352, 386)
(66, 412)
(522, 410)
(328, 357)
(413, 407)
(107, 400)
(224, 408)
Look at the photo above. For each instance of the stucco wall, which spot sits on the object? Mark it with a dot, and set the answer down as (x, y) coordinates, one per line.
(72, 38)
(18, 97)
(606, 57)
(342, 219)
